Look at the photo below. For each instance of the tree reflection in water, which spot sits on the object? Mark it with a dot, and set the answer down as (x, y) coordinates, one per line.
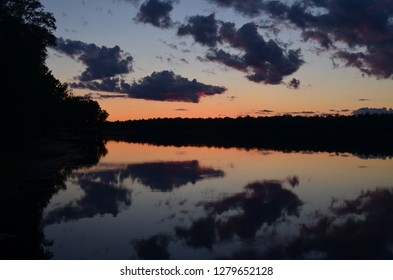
(29, 181)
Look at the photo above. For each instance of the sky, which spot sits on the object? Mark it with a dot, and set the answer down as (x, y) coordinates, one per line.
(144, 59)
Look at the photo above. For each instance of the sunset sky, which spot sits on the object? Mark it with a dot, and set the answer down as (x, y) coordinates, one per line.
(217, 58)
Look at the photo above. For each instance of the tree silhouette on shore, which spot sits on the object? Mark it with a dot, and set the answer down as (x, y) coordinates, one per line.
(34, 100)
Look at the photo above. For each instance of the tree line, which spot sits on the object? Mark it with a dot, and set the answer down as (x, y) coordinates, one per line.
(365, 134)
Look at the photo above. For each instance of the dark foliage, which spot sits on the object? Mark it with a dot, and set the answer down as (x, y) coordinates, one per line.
(362, 134)
(29, 178)
(35, 101)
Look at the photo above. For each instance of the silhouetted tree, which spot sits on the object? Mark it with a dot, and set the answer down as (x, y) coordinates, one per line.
(34, 99)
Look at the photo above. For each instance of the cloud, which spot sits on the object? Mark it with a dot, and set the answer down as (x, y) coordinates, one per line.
(372, 111)
(264, 111)
(101, 62)
(171, 45)
(303, 113)
(294, 84)
(365, 27)
(156, 12)
(202, 28)
(249, 8)
(160, 86)
(104, 96)
(363, 99)
(107, 84)
(254, 8)
(358, 33)
(134, 2)
(263, 61)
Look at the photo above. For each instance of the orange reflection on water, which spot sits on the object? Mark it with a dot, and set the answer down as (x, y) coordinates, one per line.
(347, 169)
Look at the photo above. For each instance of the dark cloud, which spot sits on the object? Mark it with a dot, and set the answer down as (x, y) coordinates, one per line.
(156, 12)
(303, 113)
(294, 84)
(202, 28)
(104, 96)
(364, 26)
(363, 99)
(160, 86)
(372, 111)
(263, 61)
(264, 111)
(107, 84)
(102, 62)
(359, 33)
(167, 86)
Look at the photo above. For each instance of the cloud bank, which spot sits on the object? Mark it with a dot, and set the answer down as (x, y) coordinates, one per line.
(159, 86)
(358, 33)
(263, 61)
(101, 62)
(372, 111)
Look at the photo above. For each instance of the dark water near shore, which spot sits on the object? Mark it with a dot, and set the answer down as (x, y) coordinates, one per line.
(152, 202)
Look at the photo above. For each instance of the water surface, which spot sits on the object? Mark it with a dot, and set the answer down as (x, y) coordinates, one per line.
(154, 202)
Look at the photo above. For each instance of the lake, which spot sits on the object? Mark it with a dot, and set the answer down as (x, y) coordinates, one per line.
(164, 202)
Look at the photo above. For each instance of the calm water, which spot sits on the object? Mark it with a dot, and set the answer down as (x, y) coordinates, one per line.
(143, 202)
